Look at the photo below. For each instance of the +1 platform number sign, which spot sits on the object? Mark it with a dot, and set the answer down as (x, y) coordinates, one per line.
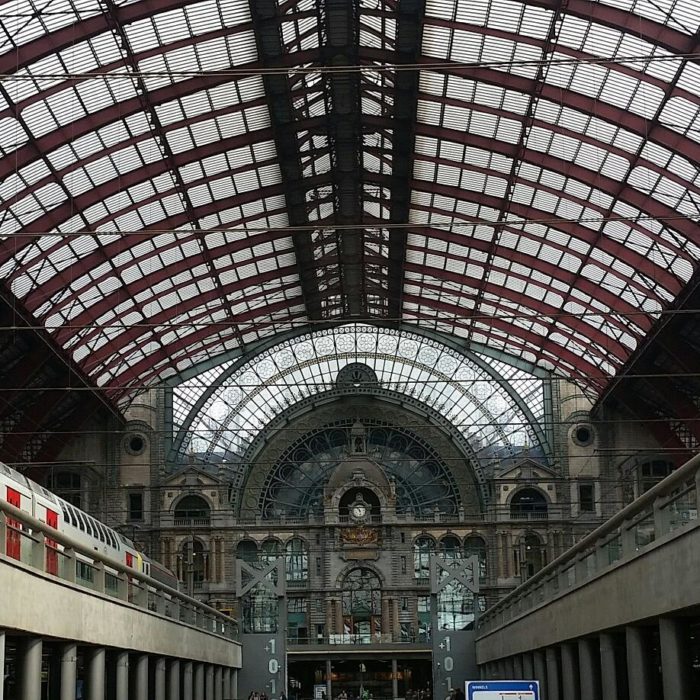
(503, 690)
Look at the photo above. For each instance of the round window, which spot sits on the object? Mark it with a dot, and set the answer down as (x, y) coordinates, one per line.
(582, 435)
(135, 443)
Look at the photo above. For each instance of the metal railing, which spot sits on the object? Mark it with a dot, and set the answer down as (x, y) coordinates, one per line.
(30, 542)
(667, 507)
(367, 638)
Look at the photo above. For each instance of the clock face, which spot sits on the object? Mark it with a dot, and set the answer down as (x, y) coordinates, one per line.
(359, 510)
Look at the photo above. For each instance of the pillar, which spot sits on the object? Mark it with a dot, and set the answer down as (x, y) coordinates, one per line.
(187, 681)
(394, 679)
(608, 667)
(637, 666)
(569, 672)
(159, 678)
(141, 681)
(227, 684)
(528, 668)
(518, 667)
(588, 670)
(552, 675)
(69, 671)
(218, 679)
(96, 674)
(209, 682)
(2, 663)
(121, 676)
(540, 664)
(30, 680)
(675, 664)
(198, 681)
(234, 683)
(174, 679)
(329, 686)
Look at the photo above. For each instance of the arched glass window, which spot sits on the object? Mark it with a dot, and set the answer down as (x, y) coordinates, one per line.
(475, 546)
(192, 510)
(532, 555)
(270, 551)
(297, 560)
(450, 547)
(423, 547)
(362, 606)
(529, 504)
(247, 551)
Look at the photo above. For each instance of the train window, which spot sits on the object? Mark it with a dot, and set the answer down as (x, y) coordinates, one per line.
(81, 520)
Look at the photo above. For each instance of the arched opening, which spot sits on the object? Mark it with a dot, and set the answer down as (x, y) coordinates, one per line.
(247, 551)
(532, 554)
(474, 546)
(450, 547)
(192, 510)
(528, 504)
(359, 495)
(362, 607)
(423, 547)
(297, 561)
(193, 565)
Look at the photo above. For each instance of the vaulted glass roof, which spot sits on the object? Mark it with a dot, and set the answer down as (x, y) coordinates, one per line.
(182, 178)
(498, 408)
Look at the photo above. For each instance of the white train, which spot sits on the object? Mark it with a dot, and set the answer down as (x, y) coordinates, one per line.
(27, 495)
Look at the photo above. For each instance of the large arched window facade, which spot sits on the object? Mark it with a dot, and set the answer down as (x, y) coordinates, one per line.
(259, 607)
(423, 547)
(362, 606)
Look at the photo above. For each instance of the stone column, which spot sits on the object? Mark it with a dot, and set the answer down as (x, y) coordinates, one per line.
(608, 667)
(69, 671)
(329, 685)
(2, 663)
(395, 625)
(30, 679)
(528, 668)
(541, 670)
(569, 672)
(637, 665)
(234, 683)
(96, 674)
(141, 680)
(552, 674)
(198, 681)
(588, 670)
(339, 627)
(174, 679)
(675, 664)
(159, 677)
(218, 680)
(227, 684)
(187, 681)
(209, 681)
(394, 679)
(518, 667)
(386, 615)
(121, 676)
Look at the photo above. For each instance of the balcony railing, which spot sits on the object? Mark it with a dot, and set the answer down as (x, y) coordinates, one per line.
(192, 522)
(28, 542)
(360, 639)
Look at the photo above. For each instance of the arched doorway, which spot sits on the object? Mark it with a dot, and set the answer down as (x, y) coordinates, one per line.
(362, 606)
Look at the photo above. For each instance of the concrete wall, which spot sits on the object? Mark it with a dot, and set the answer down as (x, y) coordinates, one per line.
(664, 578)
(45, 607)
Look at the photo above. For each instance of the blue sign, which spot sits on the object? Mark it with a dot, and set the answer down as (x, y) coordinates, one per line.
(503, 690)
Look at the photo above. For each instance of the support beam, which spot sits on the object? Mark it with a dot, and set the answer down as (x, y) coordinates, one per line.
(121, 676)
(553, 683)
(589, 671)
(675, 663)
(159, 678)
(608, 668)
(174, 679)
(188, 681)
(637, 665)
(30, 669)
(569, 671)
(141, 679)
(96, 673)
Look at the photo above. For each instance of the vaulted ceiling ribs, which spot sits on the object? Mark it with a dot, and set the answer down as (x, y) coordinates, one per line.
(341, 30)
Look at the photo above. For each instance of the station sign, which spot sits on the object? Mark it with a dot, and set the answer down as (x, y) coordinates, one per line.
(503, 690)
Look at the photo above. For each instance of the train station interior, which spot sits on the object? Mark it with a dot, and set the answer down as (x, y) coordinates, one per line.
(349, 349)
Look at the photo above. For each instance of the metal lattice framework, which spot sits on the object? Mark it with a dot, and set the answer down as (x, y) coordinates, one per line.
(183, 178)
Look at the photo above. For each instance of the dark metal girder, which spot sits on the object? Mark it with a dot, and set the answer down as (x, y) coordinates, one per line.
(409, 34)
(285, 126)
(341, 26)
